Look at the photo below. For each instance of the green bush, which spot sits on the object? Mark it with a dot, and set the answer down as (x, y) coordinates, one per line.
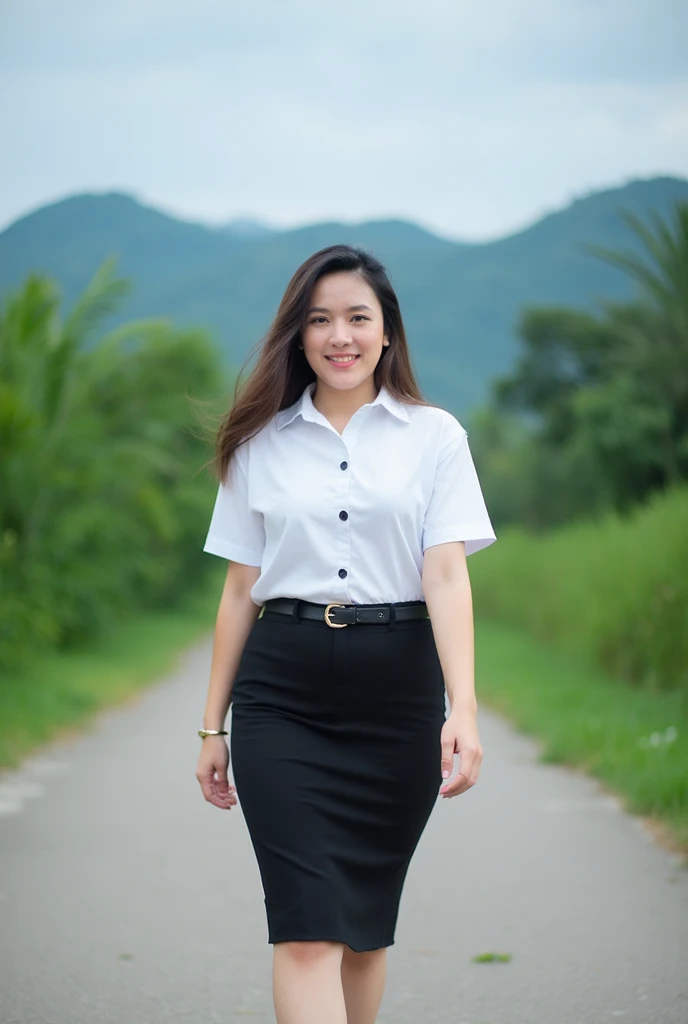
(101, 499)
(613, 591)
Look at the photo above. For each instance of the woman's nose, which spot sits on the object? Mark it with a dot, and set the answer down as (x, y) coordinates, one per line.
(341, 334)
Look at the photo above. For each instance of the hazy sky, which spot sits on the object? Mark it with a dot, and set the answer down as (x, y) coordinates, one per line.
(469, 118)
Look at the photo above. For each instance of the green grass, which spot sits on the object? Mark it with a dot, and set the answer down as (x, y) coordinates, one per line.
(631, 739)
(612, 590)
(60, 691)
(491, 958)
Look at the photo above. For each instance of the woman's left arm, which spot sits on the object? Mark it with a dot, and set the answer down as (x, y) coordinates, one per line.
(447, 593)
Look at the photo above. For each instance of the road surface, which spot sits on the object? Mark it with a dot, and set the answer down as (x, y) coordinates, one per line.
(126, 899)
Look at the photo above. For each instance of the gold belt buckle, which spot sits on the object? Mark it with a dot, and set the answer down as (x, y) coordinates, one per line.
(334, 625)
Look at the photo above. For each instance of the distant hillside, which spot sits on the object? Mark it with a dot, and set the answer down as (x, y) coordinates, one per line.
(460, 301)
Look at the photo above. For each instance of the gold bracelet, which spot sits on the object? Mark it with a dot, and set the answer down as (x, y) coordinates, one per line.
(211, 732)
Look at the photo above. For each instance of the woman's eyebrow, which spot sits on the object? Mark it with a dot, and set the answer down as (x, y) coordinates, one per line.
(351, 309)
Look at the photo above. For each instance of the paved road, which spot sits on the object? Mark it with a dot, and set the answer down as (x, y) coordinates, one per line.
(124, 897)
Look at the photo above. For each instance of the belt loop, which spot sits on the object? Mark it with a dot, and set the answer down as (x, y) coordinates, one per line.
(392, 617)
(295, 611)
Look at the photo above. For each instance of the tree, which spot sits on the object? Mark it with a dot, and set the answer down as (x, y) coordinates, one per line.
(99, 496)
(604, 395)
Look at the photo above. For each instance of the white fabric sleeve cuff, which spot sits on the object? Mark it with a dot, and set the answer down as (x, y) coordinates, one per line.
(233, 552)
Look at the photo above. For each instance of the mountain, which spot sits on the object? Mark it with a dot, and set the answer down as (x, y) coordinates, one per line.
(460, 301)
(247, 226)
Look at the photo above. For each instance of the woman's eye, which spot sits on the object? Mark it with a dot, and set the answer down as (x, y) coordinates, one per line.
(320, 319)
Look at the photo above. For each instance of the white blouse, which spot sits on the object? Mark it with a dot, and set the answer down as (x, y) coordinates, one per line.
(346, 517)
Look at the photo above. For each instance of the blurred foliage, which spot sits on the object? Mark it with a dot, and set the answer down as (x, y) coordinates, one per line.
(595, 414)
(612, 591)
(100, 491)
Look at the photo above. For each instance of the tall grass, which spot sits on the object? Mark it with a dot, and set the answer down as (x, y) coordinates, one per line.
(612, 591)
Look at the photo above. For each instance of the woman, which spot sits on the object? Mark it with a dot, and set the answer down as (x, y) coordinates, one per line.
(346, 507)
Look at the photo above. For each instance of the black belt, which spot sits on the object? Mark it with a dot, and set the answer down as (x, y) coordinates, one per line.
(338, 615)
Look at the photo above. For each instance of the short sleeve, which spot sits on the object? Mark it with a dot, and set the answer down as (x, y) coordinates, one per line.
(236, 531)
(456, 510)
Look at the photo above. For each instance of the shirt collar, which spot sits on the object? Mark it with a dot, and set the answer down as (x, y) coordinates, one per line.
(304, 407)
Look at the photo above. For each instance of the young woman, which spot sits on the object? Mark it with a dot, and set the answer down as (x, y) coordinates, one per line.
(346, 508)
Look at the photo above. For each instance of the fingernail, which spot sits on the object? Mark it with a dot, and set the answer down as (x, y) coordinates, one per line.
(445, 775)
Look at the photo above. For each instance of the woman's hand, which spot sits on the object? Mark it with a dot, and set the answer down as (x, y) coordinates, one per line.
(211, 772)
(460, 736)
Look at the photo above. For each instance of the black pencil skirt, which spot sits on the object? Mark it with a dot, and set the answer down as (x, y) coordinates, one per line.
(335, 751)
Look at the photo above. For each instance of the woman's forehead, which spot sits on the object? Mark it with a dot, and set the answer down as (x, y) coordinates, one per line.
(343, 289)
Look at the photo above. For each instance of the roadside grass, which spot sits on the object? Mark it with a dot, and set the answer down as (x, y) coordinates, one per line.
(612, 591)
(633, 740)
(59, 691)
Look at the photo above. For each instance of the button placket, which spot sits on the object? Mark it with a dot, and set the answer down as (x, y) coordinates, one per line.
(349, 437)
(342, 525)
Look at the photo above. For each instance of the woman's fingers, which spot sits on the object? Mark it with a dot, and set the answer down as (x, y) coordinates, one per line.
(460, 735)
(218, 797)
(211, 772)
(467, 776)
(217, 789)
(447, 761)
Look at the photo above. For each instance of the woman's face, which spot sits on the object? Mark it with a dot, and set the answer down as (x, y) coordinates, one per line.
(344, 333)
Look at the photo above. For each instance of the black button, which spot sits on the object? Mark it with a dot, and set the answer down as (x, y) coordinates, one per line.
(342, 573)
(343, 465)
(343, 514)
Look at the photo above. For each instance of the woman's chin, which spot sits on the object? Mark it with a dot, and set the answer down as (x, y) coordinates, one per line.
(344, 380)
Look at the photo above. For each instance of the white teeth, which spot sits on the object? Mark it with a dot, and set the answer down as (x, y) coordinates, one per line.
(342, 359)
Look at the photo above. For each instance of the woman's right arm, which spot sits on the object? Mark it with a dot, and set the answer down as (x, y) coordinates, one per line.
(235, 618)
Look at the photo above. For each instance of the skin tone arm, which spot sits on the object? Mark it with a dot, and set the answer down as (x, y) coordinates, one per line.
(447, 593)
(235, 618)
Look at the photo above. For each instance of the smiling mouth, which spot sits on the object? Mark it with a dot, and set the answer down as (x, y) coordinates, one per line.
(342, 359)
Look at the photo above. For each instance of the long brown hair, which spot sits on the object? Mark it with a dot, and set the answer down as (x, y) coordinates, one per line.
(282, 371)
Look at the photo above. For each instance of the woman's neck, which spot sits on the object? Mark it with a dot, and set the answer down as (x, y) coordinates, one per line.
(339, 405)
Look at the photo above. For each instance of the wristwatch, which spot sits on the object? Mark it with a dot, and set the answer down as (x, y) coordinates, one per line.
(211, 732)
